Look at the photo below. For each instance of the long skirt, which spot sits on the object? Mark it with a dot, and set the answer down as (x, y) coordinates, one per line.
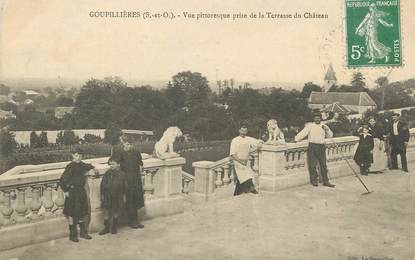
(380, 159)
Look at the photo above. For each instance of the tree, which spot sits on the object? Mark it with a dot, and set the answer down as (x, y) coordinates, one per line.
(7, 106)
(194, 85)
(67, 137)
(382, 83)
(93, 104)
(34, 140)
(358, 82)
(4, 90)
(43, 139)
(112, 135)
(308, 88)
(64, 101)
(7, 143)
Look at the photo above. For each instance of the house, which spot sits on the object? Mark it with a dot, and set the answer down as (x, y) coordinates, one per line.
(334, 109)
(61, 111)
(28, 101)
(357, 102)
(31, 93)
(6, 114)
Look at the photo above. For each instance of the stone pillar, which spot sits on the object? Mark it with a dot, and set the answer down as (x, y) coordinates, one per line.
(204, 181)
(272, 162)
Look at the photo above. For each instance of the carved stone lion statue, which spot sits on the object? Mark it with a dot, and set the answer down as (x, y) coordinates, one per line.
(163, 149)
(275, 135)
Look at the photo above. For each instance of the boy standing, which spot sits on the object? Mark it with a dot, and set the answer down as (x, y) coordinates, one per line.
(113, 187)
(73, 183)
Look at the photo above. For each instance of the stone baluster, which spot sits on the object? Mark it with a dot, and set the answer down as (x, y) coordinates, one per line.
(21, 207)
(47, 200)
(255, 167)
(35, 204)
(186, 186)
(148, 183)
(298, 159)
(345, 151)
(226, 172)
(218, 181)
(232, 173)
(7, 210)
(290, 160)
(302, 158)
(60, 201)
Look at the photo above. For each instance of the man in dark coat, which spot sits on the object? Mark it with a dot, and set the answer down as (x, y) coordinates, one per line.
(113, 186)
(364, 156)
(130, 162)
(398, 138)
(73, 183)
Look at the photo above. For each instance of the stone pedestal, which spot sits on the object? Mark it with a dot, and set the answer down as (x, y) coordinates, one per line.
(204, 185)
(272, 163)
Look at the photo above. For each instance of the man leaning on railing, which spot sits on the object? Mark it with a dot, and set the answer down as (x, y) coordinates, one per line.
(316, 152)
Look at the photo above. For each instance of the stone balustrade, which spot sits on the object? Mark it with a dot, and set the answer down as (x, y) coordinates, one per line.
(31, 195)
(210, 176)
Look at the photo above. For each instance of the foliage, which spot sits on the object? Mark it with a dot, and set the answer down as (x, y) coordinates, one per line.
(358, 81)
(91, 139)
(34, 140)
(43, 139)
(112, 135)
(4, 90)
(7, 143)
(67, 137)
(308, 88)
(194, 86)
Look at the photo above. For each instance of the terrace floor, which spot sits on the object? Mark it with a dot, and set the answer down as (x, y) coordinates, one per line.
(302, 223)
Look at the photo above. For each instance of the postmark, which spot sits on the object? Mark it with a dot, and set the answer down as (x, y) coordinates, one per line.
(373, 33)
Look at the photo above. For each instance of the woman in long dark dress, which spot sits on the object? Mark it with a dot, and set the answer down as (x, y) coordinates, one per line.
(363, 156)
(73, 183)
(130, 161)
(379, 155)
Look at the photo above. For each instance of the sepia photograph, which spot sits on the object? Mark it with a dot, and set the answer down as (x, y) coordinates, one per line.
(138, 129)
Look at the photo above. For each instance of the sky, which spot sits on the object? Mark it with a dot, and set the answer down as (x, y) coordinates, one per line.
(58, 38)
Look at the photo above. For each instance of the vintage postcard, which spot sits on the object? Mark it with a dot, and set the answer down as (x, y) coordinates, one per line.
(158, 129)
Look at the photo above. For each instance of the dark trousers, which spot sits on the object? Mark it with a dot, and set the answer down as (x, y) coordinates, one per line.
(401, 150)
(316, 155)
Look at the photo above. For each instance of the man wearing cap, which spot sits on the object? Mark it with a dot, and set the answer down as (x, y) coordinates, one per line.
(316, 152)
(398, 139)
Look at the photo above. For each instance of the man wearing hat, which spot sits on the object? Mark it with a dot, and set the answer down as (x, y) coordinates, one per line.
(399, 137)
(316, 152)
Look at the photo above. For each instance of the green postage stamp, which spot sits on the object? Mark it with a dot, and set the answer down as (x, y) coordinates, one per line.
(373, 33)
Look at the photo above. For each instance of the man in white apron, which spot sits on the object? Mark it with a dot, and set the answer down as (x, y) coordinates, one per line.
(241, 147)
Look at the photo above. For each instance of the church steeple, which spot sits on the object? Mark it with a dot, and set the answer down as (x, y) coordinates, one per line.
(330, 78)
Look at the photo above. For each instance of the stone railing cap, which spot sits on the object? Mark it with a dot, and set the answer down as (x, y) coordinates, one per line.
(202, 164)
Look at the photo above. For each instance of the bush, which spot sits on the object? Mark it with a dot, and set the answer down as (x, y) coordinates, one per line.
(67, 137)
(7, 143)
(43, 139)
(34, 140)
(112, 135)
(91, 139)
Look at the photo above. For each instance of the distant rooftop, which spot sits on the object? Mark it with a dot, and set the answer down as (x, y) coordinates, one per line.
(343, 98)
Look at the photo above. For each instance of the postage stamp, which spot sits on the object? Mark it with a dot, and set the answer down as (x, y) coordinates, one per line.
(373, 33)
